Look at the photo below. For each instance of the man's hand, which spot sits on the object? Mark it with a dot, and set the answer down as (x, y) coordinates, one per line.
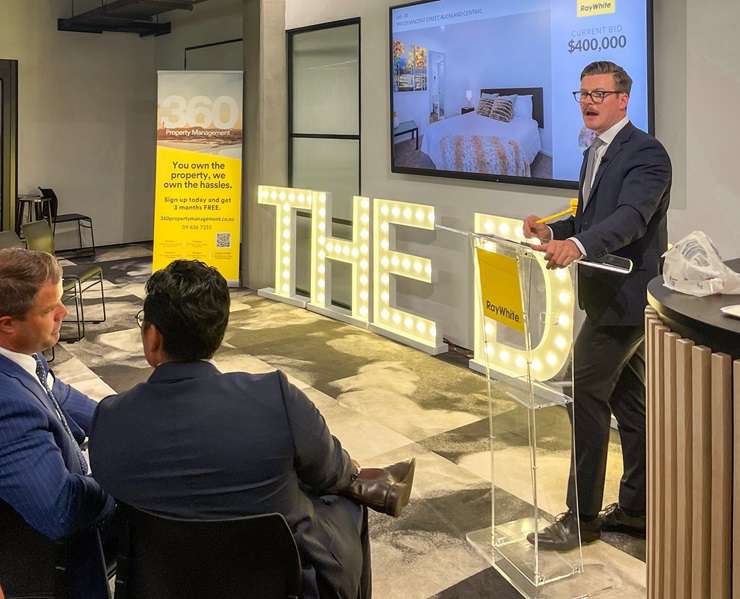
(559, 253)
(532, 228)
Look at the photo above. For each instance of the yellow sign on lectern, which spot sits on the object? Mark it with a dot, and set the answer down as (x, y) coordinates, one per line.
(501, 293)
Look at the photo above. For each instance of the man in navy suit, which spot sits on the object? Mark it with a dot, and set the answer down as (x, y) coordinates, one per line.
(199, 444)
(44, 476)
(624, 192)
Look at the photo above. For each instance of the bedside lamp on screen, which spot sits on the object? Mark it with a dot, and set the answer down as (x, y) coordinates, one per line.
(469, 96)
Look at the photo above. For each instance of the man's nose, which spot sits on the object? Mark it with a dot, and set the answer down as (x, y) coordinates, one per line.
(61, 311)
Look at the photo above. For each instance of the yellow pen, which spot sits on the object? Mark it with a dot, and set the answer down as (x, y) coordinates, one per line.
(567, 212)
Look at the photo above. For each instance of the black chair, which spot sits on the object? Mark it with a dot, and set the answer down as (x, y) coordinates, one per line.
(83, 221)
(170, 558)
(31, 566)
(77, 279)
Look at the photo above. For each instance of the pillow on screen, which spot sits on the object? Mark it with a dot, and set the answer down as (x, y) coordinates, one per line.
(484, 106)
(523, 107)
(488, 96)
(502, 110)
(511, 98)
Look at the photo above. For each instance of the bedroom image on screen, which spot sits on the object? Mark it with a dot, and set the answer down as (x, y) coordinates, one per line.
(483, 89)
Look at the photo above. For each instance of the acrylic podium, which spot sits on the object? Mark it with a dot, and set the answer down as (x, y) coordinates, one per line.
(527, 319)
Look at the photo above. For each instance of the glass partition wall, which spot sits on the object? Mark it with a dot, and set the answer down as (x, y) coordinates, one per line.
(324, 133)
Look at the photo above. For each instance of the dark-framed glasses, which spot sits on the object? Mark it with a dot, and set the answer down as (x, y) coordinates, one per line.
(597, 97)
(140, 318)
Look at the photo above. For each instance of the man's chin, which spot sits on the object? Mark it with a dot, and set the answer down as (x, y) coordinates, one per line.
(53, 340)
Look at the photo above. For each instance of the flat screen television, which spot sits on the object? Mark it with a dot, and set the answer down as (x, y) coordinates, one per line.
(450, 58)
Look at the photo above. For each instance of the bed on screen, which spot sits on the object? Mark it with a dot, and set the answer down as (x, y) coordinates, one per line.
(473, 143)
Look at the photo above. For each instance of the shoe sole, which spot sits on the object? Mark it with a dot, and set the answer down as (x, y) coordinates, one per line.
(398, 496)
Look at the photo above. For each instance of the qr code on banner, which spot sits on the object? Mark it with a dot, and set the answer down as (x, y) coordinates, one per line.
(223, 240)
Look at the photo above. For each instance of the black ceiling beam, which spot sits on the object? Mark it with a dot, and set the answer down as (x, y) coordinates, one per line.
(126, 16)
(142, 28)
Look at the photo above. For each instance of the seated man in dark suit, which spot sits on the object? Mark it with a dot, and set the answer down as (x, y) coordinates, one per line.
(194, 443)
(43, 475)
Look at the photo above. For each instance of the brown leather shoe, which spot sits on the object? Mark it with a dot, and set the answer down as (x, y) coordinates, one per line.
(386, 490)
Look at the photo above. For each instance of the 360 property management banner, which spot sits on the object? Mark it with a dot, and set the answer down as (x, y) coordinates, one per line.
(199, 168)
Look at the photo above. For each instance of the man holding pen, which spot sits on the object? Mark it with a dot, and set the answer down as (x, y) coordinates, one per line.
(624, 192)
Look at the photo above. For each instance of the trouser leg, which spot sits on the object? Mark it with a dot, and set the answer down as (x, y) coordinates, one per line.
(628, 405)
(600, 356)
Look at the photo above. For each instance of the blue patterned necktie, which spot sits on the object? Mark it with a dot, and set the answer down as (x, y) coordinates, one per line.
(42, 372)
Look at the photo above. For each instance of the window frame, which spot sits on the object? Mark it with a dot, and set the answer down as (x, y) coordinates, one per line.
(292, 134)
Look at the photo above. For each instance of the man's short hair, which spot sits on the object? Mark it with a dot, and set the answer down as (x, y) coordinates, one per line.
(622, 81)
(189, 303)
(22, 274)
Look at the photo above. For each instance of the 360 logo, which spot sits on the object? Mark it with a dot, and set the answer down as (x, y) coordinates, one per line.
(200, 111)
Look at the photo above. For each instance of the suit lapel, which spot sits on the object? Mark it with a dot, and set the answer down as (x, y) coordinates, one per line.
(615, 147)
(13, 370)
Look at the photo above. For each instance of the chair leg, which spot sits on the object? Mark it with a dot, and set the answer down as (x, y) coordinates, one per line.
(53, 354)
(89, 249)
(92, 237)
(79, 313)
(102, 298)
(19, 210)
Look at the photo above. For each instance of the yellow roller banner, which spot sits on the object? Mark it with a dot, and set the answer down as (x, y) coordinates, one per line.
(197, 212)
(501, 293)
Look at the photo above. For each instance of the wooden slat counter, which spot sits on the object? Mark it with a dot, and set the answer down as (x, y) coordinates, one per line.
(693, 428)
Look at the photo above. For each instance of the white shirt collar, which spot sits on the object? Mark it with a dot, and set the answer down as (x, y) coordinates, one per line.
(608, 136)
(25, 361)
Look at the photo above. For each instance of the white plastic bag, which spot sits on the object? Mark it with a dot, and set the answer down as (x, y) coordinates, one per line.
(694, 266)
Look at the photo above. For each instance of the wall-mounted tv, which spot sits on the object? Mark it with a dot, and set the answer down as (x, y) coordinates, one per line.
(450, 60)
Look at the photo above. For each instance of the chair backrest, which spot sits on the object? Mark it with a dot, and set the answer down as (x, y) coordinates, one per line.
(30, 564)
(39, 236)
(169, 558)
(48, 192)
(8, 239)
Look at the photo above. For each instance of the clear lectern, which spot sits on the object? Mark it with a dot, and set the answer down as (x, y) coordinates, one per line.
(527, 320)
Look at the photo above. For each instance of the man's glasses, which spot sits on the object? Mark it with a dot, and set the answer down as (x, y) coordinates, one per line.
(140, 318)
(597, 97)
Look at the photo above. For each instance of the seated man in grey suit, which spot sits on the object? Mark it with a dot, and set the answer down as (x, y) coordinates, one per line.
(194, 443)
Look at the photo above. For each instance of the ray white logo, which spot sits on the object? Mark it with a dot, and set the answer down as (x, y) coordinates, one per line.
(502, 311)
(591, 8)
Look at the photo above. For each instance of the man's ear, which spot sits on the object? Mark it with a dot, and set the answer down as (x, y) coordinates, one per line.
(623, 101)
(153, 342)
(6, 325)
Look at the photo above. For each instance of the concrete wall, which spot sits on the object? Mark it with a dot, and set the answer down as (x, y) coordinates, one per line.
(697, 89)
(86, 117)
(210, 22)
(265, 117)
